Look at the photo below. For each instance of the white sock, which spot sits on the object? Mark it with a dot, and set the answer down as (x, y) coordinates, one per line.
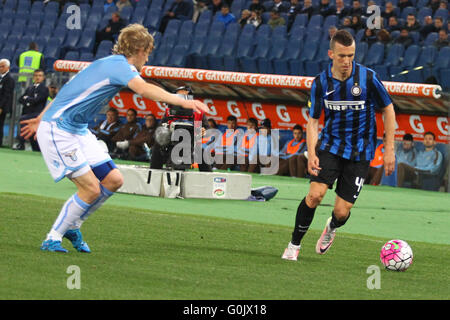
(72, 210)
(104, 195)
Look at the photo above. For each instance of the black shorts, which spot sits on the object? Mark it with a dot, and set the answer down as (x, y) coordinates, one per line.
(349, 174)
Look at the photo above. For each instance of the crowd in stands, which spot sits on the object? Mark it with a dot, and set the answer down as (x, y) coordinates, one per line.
(409, 33)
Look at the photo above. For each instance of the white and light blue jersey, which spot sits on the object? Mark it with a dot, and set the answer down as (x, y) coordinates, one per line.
(80, 99)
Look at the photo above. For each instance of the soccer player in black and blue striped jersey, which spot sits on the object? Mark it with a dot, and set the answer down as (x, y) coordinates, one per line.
(348, 93)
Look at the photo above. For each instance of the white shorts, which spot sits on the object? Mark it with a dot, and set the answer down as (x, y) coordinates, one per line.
(68, 154)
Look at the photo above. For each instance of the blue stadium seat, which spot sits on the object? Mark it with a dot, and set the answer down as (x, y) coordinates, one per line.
(249, 64)
(177, 58)
(152, 20)
(156, 5)
(314, 22)
(104, 49)
(72, 55)
(172, 28)
(236, 7)
(361, 52)
(410, 57)
(216, 29)
(300, 20)
(263, 31)
(442, 60)
(110, 11)
(281, 66)
(162, 55)
(331, 20)
(312, 68)
(408, 10)
(441, 13)
(7, 53)
(138, 16)
(205, 16)
(279, 32)
(278, 46)
(297, 33)
(196, 48)
(60, 34)
(10, 4)
(382, 72)
(41, 41)
(17, 30)
(445, 78)
(227, 47)
(51, 52)
(375, 55)
(50, 20)
(423, 12)
(72, 38)
(309, 52)
(427, 56)
(127, 12)
(201, 29)
(358, 35)
(210, 49)
(395, 53)
(86, 56)
(431, 38)
(314, 35)
(415, 36)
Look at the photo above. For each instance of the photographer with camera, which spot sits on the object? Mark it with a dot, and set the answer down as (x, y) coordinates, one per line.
(176, 118)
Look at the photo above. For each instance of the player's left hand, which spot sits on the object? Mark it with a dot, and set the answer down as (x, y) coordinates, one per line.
(195, 105)
(389, 162)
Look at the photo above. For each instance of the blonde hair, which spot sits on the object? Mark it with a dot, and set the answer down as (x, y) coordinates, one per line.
(131, 39)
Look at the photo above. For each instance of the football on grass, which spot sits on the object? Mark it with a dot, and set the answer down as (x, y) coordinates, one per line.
(396, 255)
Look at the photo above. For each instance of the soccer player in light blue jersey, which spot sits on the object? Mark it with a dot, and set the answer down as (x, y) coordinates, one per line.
(71, 150)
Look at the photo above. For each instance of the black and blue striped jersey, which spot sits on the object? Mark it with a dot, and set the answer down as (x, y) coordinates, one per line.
(350, 129)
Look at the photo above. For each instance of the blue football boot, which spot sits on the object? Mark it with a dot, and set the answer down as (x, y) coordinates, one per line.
(77, 240)
(53, 246)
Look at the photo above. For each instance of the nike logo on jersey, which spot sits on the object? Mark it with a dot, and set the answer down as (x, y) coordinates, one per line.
(329, 92)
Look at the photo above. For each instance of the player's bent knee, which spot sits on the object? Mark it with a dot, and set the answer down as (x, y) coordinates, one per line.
(314, 198)
(113, 181)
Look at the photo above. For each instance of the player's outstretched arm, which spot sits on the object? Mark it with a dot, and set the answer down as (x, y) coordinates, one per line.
(30, 126)
(156, 93)
(389, 129)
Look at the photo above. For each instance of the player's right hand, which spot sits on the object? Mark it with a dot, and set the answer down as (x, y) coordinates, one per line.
(313, 165)
(195, 105)
(29, 128)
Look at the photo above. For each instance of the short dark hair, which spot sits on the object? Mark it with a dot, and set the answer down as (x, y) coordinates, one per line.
(408, 137)
(213, 122)
(430, 134)
(253, 121)
(343, 37)
(39, 70)
(132, 110)
(114, 110)
(232, 118)
(33, 46)
(297, 127)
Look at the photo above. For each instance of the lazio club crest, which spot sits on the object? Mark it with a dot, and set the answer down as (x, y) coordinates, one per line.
(72, 155)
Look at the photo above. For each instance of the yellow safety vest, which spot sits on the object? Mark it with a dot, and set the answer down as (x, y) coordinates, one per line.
(28, 62)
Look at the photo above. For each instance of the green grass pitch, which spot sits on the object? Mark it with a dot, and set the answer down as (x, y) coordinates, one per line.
(150, 248)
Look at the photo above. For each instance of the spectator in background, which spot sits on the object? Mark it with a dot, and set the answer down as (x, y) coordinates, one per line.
(126, 132)
(406, 153)
(199, 7)
(346, 22)
(356, 8)
(225, 16)
(402, 4)
(331, 32)
(7, 85)
(369, 37)
(226, 145)
(108, 128)
(428, 161)
(248, 147)
(280, 6)
(434, 5)
(179, 8)
(212, 124)
(255, 18)
(427, 27)
(108, 4)
(292, 159)
(404, 38)
(256, 6)
(443, 4)
(215, 6)
(393, 24)
(411, 23)
(52, 92)
(384, 37)
(275, 19)
(442, 41)
(389, 11)
(341, 10)
(111, 31)
(307, 8)
(325, 9)
(438, 24)
(33, 100)
(356, 23)
(245, 16)
(122, 4)
(376, 165)
(140, 146)
(29, 61)
(265, 147)
(294, 9)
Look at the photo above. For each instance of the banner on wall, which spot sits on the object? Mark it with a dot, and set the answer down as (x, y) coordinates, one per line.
(282, 116)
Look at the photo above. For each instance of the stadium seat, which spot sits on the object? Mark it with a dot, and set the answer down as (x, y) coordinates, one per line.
(442, 60)
(172, 28)
(331, 20)
(7, 53)
(205, 17)
(236, 7)
(281, 66)
(427, 56)
(72, 55)
(375, 55)
(276, 50)
(201, 29)
(431, 38)
(104, 49)
(227, 47)
(314, 22)
(395, 53)
(10, 4)
(382, 72)
(196, 48)
(50, 19)
(156, 5)
(300, 20)
(313, 35)
(41, 41)
(358, 35)
(210, 49)
(72, 38)
(263, 31)
(441, 12)
(423, 12)
(407, 11)
(152, 20)
(361, 52)
(60, 34)
(309, 52)
(138, 16)
(312, 68)
(445, 78)
(177, 57)
(279, 32)
(410, 57)
(217, 29)
(127, 12)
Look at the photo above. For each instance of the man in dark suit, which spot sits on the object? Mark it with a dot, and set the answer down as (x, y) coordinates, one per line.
(111, 31)
(7, 85)
(179, 9)
(33, 101)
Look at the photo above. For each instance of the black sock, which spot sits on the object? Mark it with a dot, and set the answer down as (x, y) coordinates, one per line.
(335, 223)
(303, 220)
